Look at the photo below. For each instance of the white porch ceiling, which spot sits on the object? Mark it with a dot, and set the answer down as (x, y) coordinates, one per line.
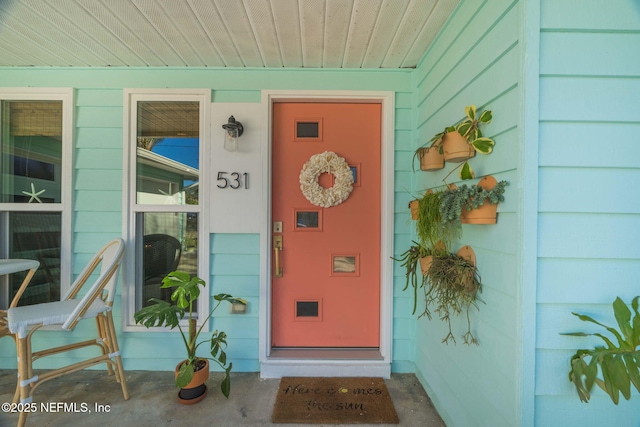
(219, 33)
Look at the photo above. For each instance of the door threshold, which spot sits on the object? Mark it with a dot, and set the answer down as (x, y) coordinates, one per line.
(325, 362)
(327, 353)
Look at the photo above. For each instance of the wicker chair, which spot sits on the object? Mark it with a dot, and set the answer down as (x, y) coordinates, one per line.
(64, 315)
(10, 266)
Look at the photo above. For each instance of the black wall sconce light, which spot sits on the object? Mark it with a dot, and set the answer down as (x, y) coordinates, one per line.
(233, 130)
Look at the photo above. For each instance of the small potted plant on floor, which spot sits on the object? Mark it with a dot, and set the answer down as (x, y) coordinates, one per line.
(619, 364)
(192, 372)
(451, 287)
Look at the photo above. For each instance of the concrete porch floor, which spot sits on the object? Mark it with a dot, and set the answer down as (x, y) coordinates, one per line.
(153, 401)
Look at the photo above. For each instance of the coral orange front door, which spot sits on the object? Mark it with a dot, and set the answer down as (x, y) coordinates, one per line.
(326, 260)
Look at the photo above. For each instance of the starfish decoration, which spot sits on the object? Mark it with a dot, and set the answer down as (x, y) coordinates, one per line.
(33, 194)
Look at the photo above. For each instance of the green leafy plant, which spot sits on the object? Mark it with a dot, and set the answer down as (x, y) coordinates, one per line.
(469, 128)
(469, 197)
(619, 364)
(451, 287)
(162, 313)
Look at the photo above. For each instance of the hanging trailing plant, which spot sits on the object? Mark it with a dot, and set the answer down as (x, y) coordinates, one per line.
(430, 227)
(451, 288)
(454, 200)
(618, 364)
(410, 260)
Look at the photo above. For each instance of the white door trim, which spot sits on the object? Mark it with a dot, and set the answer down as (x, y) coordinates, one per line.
(380, 366)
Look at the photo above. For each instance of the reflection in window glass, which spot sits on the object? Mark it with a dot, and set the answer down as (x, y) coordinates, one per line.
(31, 152)
(344, 264)
(170, 243)
(36, 235)
(307, 219)
(167, 153)
(307, 129)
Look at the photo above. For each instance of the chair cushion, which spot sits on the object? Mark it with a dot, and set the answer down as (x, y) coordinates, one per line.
(50, 313)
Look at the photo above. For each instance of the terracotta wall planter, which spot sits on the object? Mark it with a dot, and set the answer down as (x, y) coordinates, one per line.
(414, 206)
(456, 148)
(467, 253)
(485, 214)
(425, 264)
(431, 159)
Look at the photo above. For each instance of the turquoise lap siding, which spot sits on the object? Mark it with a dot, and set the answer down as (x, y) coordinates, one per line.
(476, 59)
(588, 241)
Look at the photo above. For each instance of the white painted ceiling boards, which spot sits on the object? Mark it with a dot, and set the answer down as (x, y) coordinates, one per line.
(219, 33)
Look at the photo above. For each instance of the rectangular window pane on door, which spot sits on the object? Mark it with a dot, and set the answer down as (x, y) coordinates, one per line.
(36, 235)
(169, 243)
(168, 152)
(31, 152)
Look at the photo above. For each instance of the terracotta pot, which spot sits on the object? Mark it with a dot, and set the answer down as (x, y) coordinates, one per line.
(466, 252)
(456, 148)
(196, 390)
(425, 264)
(485, 214)
(414, 206)
(431, 159)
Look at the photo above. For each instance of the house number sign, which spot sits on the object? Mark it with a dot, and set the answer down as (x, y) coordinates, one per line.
(233, 180)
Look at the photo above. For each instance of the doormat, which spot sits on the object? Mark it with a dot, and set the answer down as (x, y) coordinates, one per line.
(333, 401)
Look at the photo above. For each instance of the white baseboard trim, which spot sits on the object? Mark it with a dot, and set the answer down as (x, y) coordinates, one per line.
(278, 368)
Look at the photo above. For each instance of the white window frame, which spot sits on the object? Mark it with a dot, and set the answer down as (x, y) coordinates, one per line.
(131, 207)
(66, 95)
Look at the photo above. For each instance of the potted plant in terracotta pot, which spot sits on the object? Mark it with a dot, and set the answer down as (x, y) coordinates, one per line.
(451, 286)
(460, 142)
(192, 372)
(462, 204)
(430, 157)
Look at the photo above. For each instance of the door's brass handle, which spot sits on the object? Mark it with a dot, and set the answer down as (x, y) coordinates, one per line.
(277, 247)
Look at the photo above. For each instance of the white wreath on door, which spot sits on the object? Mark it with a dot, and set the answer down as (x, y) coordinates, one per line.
(331, 163)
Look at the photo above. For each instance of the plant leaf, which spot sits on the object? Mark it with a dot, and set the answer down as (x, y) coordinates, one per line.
(623, 317)
(470, 111)
(225, 386)
(483, 145)
(485, 117)
(619, 376)
(633, 367)
(463, 129)
(159, 313)
(586, 318)
(610, 385)
(230, 299)
(185, 375)
(466, 172)
(635, 342)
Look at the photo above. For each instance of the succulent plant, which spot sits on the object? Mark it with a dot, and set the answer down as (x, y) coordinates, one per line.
(452, 201)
